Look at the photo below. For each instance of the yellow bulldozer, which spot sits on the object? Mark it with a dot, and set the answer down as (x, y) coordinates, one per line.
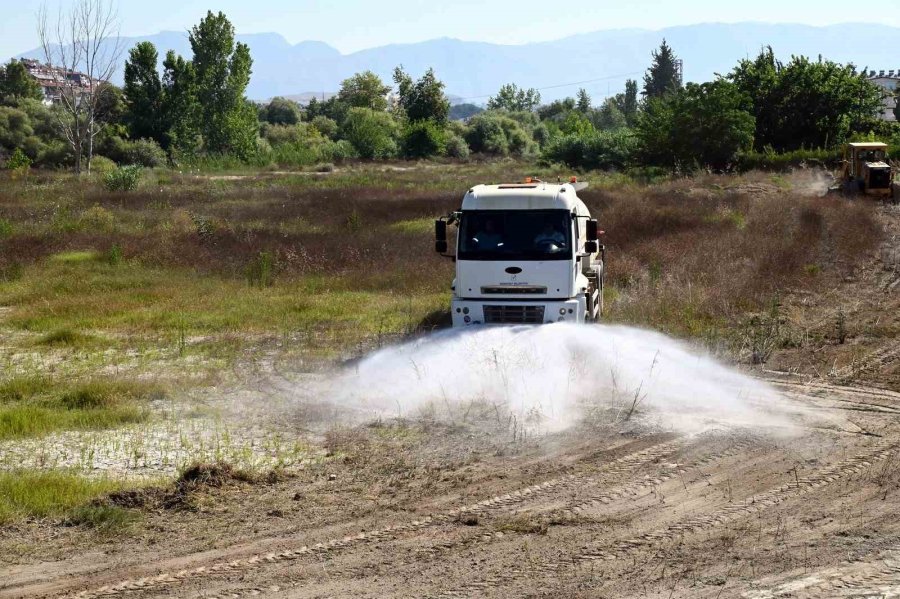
(866, 170)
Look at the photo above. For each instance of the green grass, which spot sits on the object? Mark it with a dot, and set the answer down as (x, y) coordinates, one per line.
(416, 225)
(56, 494)
(66, 338)
(36, 406)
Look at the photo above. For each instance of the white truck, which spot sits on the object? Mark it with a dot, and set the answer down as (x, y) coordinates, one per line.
(526, 253)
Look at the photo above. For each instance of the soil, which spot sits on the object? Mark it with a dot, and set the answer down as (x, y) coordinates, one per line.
(429, 509)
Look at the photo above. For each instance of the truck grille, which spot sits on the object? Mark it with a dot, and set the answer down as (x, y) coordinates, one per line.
(514, 289)
(880, 178)
(513, 314)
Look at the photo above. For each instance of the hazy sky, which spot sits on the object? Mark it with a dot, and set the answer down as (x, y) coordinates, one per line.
(351, 25)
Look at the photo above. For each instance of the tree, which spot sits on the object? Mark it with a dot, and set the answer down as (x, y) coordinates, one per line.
(583, 102)
(703, 125)
(610, 116)
(181, 108)
(365, 90)
(17, 84)
(84, 42)
(461, 112)
(897, 105)
(372, 132)
(627, 103)
(806, 103)
(513, 99)
(662, 76)
(280, 111)
(222, 70)
(556, 110)
(143, 92)
(424, 99)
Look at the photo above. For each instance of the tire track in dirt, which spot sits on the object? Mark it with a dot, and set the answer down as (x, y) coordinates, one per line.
(875, 578)
(619, 550)
(569, 509)
(872, 362)
(602, 474)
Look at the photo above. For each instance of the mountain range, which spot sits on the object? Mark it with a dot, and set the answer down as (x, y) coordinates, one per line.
(599, 61)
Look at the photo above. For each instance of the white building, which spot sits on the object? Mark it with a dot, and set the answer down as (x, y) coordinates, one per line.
(55, 80)
(889, 81)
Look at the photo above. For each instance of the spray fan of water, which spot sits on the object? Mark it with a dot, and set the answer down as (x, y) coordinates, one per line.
(551, 373)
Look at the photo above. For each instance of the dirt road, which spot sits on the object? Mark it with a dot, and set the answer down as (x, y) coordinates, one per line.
(617, 512)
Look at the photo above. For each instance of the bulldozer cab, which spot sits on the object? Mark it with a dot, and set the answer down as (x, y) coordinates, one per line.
(867, 170)
(856, 155)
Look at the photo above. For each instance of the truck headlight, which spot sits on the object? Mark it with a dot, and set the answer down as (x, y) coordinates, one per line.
(465, 310)
(562, 310)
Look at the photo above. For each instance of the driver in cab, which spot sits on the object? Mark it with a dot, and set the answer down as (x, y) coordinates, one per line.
(549, 234)
(488, 238)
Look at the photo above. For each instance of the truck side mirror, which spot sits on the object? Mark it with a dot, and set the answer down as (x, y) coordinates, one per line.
(591, 247)
(592, 230)
(440, 236)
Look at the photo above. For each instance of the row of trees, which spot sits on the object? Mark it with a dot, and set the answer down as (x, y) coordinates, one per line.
(197, 107)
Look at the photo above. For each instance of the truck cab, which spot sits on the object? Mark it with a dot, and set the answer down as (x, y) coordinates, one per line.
(526, 253)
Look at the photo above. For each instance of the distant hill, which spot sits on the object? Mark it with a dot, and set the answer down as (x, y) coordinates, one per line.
(474, 70)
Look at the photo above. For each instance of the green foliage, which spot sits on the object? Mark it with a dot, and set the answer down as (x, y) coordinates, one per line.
(556, 110)
(101, 165)
(182, 107)
(261, 271)
(609, 117)
(144, 111)
(424, 99)
(662, 76)
(805, 104)
(606, 150)
(229, 122)
(18, 161)
(124, 178)
(280, 111)
(513, 99)
(372, 133)
(326, 126)
(17, 84)
(577, 124)
(6, 229)
(364, 90)
(769, 160)
(583, 102)
(422, 139)
(48, 494)
(143, 152)
(498, 134)
(457, 147)
(701, 125)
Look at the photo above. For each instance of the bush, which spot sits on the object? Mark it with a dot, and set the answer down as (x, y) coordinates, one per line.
(596, 150)
(124, 178)
(500, 134)
(144, 152)
(6, 228)
(422, 139)
(457, 147)
(326, 126)
(102, 166)
(785, 161)
(18, 161)
(336, 151)
(372, 133)
(98, 218)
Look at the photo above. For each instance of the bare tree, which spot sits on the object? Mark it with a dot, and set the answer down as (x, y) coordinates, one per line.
(85, 44)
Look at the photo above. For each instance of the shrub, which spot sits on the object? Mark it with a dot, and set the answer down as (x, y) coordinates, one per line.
(336, 151)
(457, 147)
(144, 152)
(18, 161)
(595, 150)
(499, 134)
(372, 133)
(124, 178)
(326, 126)
(102, 166)
(6, 228)
(422, 139)
(261, 271)
(769, 160)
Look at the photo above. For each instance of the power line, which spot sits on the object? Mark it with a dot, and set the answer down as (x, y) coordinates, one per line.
(565, 84)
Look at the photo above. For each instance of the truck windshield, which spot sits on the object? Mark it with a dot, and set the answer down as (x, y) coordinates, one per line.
(515, 235)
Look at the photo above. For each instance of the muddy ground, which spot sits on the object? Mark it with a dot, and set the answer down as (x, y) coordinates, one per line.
(420, 508)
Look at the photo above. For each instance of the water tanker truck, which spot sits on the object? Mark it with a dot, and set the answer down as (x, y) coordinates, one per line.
(526, 253)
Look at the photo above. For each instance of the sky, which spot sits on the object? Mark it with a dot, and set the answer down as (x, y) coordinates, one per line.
(351, 25)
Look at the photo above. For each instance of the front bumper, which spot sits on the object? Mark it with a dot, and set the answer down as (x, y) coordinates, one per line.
(482, 311)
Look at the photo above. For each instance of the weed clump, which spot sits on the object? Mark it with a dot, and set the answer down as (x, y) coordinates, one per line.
(124, 178)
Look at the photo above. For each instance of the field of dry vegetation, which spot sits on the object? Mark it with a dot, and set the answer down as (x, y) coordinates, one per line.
(130, 322)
